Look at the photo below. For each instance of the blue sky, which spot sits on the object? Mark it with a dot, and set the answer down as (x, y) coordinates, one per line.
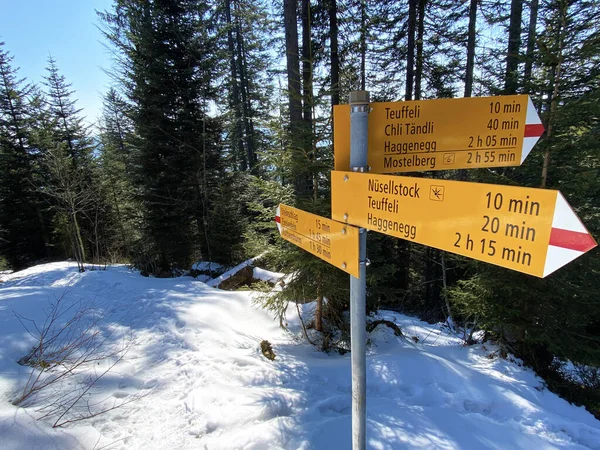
(67, 29)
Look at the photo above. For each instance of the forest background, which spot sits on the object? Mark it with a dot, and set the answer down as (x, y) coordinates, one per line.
(219, 110)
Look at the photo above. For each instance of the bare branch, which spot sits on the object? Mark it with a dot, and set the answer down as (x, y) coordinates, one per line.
(71, 342)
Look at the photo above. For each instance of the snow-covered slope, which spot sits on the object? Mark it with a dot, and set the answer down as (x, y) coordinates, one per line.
(195, 368)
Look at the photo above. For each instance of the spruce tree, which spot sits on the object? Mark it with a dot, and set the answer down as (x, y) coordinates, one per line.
(167, 64)
(70, 167)
(20, 207)
(69, 129)
(554, 319)
(245, 32)
(115, 166)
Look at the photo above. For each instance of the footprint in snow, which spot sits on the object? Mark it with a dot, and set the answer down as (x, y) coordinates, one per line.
(338, 405)
(472, 406)
(120, 394)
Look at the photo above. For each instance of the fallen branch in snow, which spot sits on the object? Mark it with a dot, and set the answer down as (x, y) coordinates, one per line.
(242, 277)
(372, 325)
(217, 281)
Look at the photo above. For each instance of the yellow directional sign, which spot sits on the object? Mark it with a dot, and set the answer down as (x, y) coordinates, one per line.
(334, 242)
(459, 133)
(533, 231)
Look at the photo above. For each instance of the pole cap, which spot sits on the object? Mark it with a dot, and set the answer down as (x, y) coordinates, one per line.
(359, 97)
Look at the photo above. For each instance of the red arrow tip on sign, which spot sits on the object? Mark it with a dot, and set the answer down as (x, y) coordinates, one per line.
(278, 218)
(533, 130)
(569, 238)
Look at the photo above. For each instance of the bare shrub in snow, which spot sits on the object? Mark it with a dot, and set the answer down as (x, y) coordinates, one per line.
(74, 350)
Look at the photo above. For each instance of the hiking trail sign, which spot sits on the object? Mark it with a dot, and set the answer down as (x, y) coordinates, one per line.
(333, 242)
(533, 231)
(443, 134)
(529, 230)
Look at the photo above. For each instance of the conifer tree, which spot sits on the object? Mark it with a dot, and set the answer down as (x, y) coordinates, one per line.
(69, 129)
(167, 64)
(546, 321)
(69, 163)
(246, 35)
(115, 165)
(20, 207)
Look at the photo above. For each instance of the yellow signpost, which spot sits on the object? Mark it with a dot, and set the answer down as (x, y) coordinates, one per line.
(334, 242)
(533, 231)
(442, 134)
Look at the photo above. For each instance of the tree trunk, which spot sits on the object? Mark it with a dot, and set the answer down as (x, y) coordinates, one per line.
(444, 286)
(511, 80)
(431, 275)
(124, 238)
(461, 174)
(235, 100)
(291, 51)
(363, 44)
(531, 36)
(307, 100)
(302, 182)
(307, 91)
(555, 74)
(403, 248)
(244, 87)
(419, 61)
(471, 48)
(96, 257)
(80, 249)
(335, 62)
(319, 314)
(550, 125)
(410, 56)
(43, 230)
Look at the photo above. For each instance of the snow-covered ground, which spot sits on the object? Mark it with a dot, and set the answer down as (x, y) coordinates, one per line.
(199, 380)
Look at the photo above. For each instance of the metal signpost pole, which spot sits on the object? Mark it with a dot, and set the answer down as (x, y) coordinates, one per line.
(359, 121)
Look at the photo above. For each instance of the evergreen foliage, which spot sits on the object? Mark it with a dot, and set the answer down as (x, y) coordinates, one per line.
(221, 110)
(21, 223)
(555, 319)
(70, 171)
(116, 162)
(168, 61)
